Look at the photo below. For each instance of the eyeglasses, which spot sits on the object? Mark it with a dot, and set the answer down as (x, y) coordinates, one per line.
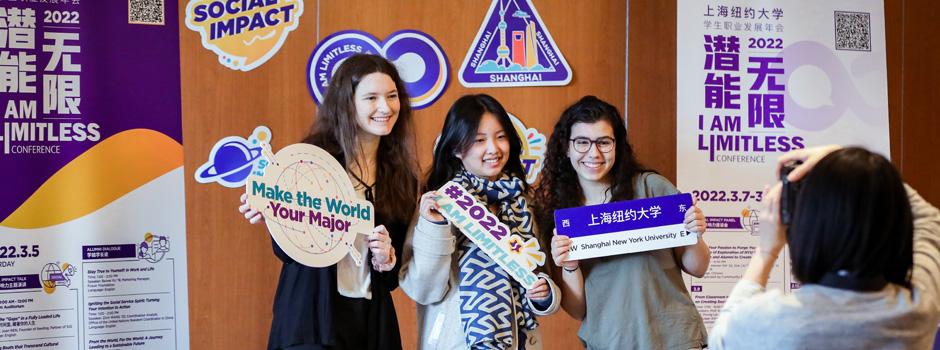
(583, 144)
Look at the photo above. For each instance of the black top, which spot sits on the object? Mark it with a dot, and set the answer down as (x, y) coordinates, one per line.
(308, 309)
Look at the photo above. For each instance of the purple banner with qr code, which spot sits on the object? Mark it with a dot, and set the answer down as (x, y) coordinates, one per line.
(758, 79)
(622, 216)
(74, 73)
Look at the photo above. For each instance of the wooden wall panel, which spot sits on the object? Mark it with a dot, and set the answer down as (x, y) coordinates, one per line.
(919, 74)
(226, 252)
(232, 271)
(652, 86)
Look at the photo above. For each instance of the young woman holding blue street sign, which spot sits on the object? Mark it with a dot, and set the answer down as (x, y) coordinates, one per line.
(466, 300)
(365, 123)
(630, 301)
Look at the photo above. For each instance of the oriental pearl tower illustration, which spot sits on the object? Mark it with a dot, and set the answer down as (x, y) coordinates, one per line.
(502, 52)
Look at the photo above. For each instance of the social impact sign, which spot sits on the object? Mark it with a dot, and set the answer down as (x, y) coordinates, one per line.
(756, 79)
(92, 224)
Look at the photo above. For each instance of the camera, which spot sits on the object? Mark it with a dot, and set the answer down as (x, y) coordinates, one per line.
(789, 193)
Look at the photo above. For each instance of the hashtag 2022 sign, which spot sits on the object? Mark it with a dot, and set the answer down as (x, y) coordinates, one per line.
(513, 253)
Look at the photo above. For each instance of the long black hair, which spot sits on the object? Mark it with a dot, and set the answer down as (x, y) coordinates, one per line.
(460, 130)
(335, 129)
(852, 213)
(559, 187)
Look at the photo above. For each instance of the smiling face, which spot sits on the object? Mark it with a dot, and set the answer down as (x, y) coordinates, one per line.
(377, 104)
(592, 165)
(489, 151)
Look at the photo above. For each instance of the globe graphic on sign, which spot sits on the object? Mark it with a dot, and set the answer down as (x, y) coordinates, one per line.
(310, 206)
(232, 162)
(51, 273)
(310, 238)
(52, 276)
(750, 219)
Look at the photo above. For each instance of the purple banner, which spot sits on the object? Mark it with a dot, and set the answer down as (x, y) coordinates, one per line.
(74, 73)
(622, 216)
(110, 251)
(19, 282)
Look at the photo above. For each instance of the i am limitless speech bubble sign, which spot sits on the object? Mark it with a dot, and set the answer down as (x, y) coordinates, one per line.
(626, 227)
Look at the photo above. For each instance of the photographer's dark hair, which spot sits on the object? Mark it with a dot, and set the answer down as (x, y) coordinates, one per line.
(335, 129)
(852, 214)
(559, 187)
(459, 132)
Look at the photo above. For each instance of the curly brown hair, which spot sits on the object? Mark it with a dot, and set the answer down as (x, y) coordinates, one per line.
(559, 187)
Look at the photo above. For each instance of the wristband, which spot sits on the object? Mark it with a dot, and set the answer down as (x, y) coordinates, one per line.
(442, 222)
(571, 270)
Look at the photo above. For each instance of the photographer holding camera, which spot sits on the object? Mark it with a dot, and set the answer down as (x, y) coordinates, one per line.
(864, 246)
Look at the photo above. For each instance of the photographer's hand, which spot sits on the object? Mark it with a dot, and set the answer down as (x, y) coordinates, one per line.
(772, 239)
(772, 233)
(809, 157)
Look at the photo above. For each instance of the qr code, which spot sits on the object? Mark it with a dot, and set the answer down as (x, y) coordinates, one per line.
(853, 31)
(145, 12)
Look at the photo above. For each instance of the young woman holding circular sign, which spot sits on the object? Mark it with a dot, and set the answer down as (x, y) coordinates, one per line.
(465, 299)
(630, 301)
(365, 122)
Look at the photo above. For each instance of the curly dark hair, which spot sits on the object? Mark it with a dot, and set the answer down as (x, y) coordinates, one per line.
(559, 187)
(396, 177)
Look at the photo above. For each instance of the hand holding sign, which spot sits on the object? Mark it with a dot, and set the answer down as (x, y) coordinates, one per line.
(429, 209)
(253, 216)
(561, 246)
(695, 219)
(310, 206)
(629, 226)
(383, 253)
